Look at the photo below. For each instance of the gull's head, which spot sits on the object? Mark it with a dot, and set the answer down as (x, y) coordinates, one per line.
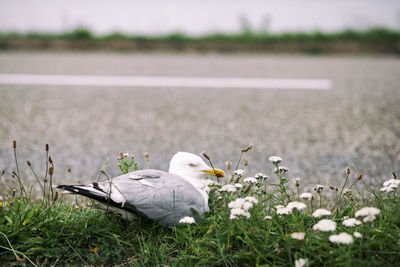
(192, 167)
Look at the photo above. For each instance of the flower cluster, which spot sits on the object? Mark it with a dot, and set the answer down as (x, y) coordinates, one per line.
(241, 206)
(390, 185)
(282, 210)
(187, 220)
(369, 213)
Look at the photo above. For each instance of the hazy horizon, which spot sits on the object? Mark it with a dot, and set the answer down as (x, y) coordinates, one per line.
(196, 18)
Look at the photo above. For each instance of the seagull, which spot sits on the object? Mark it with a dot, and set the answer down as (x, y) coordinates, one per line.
(164, 197)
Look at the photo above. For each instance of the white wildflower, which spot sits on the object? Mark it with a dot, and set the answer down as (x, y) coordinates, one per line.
(251, 199)
(351, 222)
(369, 218)
(321, 212)
(209, 182)
(275, 159)
(367, 211)
(268, 217)
(280, 169)
(392, 183)
(306, 196)
(296, 205)
(260, 176)
(237, 185)
(357, 235)
(298, 235)
(250, 180)
(126, 155)
(325, 225)
(279, 207)
(227, 188)
(300, 262)
(283, 211)
(238, 212)
(237, 203)
(187, 220)
(239, 172)
(342, 238)
(247, 206)
(318, 188)
(387, 189)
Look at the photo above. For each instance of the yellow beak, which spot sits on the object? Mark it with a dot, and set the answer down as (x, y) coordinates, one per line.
(215, 172)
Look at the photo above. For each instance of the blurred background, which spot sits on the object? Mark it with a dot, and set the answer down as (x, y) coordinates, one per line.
(62, 64)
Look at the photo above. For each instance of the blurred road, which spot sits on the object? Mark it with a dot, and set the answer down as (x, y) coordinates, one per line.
(317, 133)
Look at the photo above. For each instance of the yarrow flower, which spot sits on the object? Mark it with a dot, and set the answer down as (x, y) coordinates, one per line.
(187, 220)
(250, 180)
(318, 188)
(208, 183)
(238, 212)
(367, 211)
(227, 188)
(300, 262)
(298, 235)
(281, 169)
(390, 185)
(282, 210)
(351, 222)
(357, 235)
(325, 225)
(268, 217)
(321, 212)
(306, 196)
(251, 199)
(260, 176)
(239, 172)
(275, 159)
(296, 205)
(237, 185)
(342, 238)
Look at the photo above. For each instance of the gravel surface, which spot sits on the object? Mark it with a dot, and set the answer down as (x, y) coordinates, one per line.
(317, 133)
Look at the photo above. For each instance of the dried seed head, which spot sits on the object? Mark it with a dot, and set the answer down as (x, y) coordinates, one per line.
(394, 175)
(103, 171)
(204, 154)
(359, 176)
(55, 196)
(69, 169)
(146, 156)
(228, 165)
(47, 147)
(347, 170)
(245, 162)
(14, 144)
(45, 180)
(50, 160)
(296, 182)
(331, 187)
(247, 148)
(28, 162)
(51, 170)
(14, 192)
(121, 155)
(247, 189)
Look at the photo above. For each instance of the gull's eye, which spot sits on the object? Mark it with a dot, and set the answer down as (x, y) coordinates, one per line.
(191, 165)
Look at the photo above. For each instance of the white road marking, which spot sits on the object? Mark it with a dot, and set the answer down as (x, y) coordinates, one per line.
(163, 81)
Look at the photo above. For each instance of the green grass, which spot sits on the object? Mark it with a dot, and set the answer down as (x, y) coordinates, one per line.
(372, 35)
(65, 231)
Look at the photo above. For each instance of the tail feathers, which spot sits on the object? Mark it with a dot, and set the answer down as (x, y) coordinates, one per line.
(94, 192)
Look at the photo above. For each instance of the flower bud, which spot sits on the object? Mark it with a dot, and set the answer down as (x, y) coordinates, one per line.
(247, 148)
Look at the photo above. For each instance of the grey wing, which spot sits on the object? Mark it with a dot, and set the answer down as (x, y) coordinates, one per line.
(158, 195)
